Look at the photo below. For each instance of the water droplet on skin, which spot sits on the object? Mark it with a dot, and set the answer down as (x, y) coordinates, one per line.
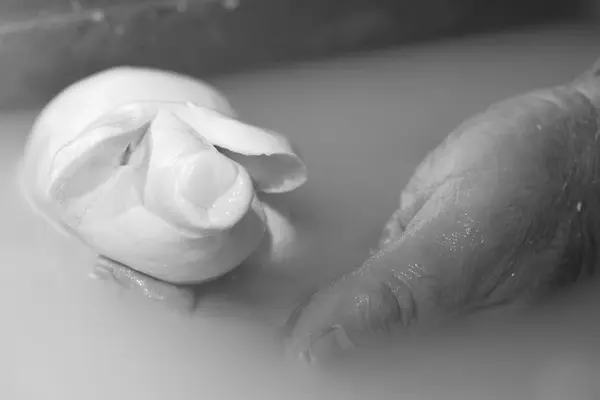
(76, 6)
(231, 4)
(97, 16)
(182, 6)
(119, 30)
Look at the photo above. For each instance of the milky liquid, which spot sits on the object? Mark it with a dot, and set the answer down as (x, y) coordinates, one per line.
(362, 125)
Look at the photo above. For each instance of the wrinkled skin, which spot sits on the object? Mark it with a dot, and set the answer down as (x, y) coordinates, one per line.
(504, 209)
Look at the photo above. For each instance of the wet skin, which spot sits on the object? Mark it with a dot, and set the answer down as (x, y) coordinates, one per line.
(504, 209)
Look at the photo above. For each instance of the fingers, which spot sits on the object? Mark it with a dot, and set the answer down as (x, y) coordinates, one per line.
(352, 312)
(430, 174)
(408, 284)
(181, 299)
(500, 220)
(448, 262)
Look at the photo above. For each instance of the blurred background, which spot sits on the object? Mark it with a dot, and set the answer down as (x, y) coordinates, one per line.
(47, 44)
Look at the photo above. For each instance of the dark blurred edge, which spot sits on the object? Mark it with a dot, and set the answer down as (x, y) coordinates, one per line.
(210, 39)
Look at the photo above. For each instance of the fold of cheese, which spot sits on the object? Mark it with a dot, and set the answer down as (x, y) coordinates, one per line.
(153, 170)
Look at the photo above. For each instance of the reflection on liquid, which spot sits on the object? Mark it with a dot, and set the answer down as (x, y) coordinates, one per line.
(362, 124)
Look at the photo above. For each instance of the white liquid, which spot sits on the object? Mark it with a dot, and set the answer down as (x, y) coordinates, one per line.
(362, 125)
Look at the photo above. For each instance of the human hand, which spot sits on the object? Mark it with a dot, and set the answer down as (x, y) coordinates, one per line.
(505, 209)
